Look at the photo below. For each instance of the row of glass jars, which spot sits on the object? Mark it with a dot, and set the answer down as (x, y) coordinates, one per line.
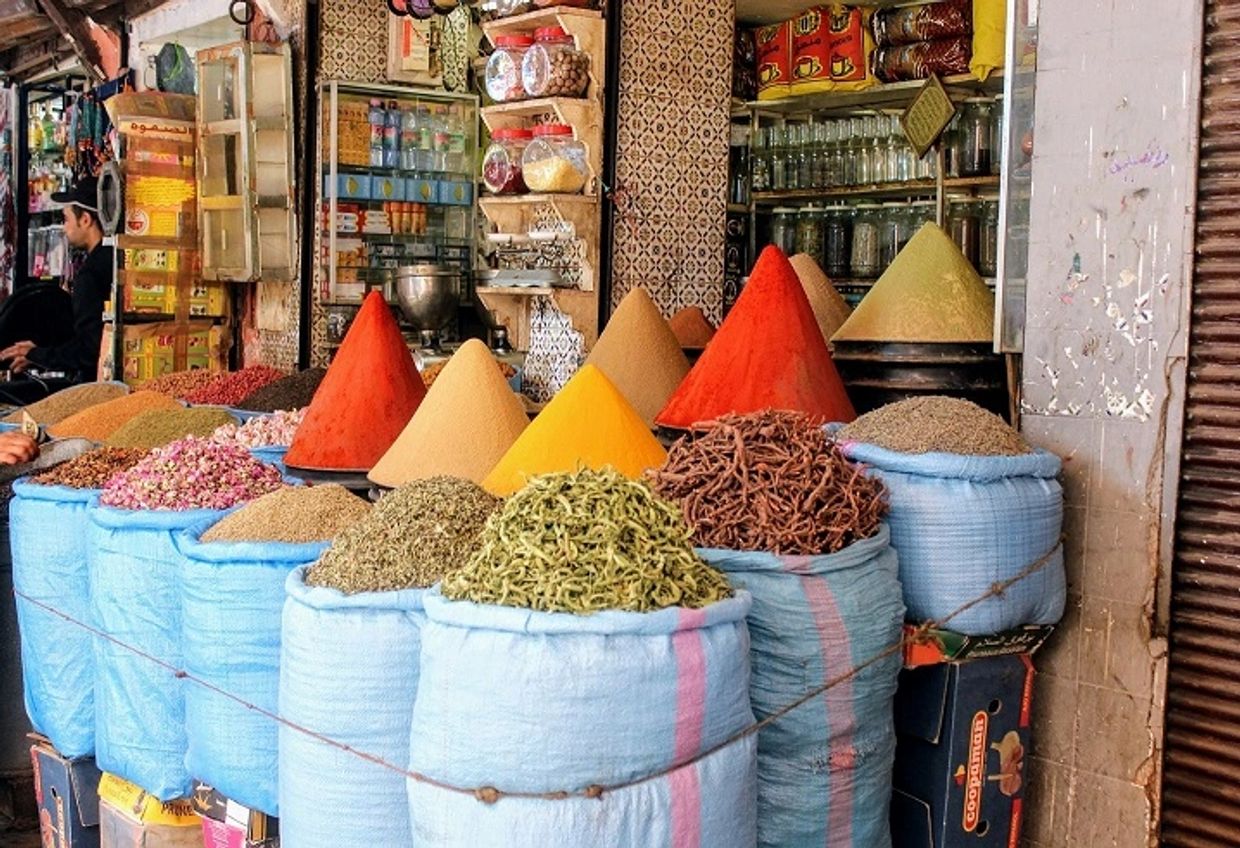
(547, 160)
(861, 241)
(548, 64)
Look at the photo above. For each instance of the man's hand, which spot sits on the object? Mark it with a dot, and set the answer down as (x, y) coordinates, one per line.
(16, 355)
(16, 448)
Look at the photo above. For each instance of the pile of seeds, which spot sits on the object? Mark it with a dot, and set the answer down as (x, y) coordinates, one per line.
(936, 424)
(231, 389)
(414, 536)
(587, 541)
(181, 384)
(160, 427)
(294, 515)
(770, 481)
(193, 473)
(267, 431)
(100, 421)
(292, 392)
(57, 407)
(431, 373)
(90, 470)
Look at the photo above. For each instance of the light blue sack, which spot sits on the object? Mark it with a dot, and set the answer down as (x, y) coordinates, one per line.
(964, 523)
(824, 770)
(49, 528)
(232, 594)
(135, 593)
(272, 456)
(348, 671)
(539, 702)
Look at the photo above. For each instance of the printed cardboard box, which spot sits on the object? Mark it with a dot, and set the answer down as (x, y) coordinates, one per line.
(150, 350)
(67, 792)
(944, 646)
(227, 824)
(131, 818)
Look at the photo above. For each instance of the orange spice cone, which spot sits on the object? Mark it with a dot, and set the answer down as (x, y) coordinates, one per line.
(692, 328)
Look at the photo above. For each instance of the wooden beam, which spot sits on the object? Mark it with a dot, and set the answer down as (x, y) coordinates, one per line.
(72, 25)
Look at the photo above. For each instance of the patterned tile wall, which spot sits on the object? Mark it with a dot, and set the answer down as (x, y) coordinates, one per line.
(672, 165)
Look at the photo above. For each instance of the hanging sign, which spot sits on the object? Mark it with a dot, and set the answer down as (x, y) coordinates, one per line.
(927, 116)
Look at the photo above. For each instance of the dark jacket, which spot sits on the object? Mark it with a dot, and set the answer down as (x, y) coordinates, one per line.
(92, 287)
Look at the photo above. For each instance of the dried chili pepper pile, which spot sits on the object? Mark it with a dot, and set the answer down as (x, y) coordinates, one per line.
(770, 481)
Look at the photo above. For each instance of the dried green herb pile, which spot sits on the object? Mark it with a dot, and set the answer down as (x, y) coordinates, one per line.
(936, 424)
(158, 427)
(584, 542)
(296, 515)
(413, 537)
(90, 470)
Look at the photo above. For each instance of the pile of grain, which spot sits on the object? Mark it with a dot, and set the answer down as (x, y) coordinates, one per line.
(412, 538)
(99, 422)
(57, 407)
(181, 384)
(90, 470)
(292, 392)
(583, 542)
(295, 515)
(936, 424)
(160, 427)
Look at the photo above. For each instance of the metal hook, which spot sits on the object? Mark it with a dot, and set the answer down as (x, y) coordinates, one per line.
(247, 18)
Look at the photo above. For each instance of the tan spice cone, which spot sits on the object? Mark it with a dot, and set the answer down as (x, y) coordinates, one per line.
(830, 309)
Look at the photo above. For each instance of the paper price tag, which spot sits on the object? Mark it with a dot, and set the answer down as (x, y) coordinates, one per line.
(29, 426)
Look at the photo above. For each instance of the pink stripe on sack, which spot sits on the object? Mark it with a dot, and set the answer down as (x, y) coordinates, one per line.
(690, 701)
(841, 722)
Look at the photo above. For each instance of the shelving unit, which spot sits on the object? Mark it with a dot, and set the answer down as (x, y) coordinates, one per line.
(579, 215)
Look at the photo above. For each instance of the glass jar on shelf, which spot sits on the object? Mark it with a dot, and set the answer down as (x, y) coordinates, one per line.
(988, 238)
(501, 165)
(778, 151)
(554, 161)
(896, 224)
(864, 258)
(996, 137)
(503, 73)
(784, 229)
(554, 67)
(976, 137)
(921, 212)
(964, 226)
(836, 230)
(805, 156)
(952, 151)
(809, 239)
(878, 144)
(836, 153)
(760, 162)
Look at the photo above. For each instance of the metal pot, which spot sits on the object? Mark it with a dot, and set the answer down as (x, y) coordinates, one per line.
(428, 295)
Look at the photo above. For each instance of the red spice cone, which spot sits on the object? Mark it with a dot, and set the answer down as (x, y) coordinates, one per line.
(768, 354)
(366, 398)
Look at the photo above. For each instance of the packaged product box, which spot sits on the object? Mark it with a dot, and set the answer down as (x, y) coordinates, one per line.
(131, 818)
(158, 294)
(349, 186)
(744, 65)
(227, 824)
(150, 350)
(944, 646)
(963, 730)
(455, 193)
(387, 188)
(811, 51)
(422, 190)
(851, 44)
(160, 207)
(67, 792)
(774, 46)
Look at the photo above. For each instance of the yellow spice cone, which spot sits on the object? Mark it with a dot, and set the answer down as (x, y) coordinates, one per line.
(639, 353)
(830, 309)
(468, 421)
(930, 293)
(588, 424)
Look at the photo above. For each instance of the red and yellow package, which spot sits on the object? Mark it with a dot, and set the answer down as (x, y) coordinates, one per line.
(774, 61)
(851, 44)
(811, 51)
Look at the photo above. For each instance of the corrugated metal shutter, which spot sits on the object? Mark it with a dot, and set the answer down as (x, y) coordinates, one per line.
(1201, 782)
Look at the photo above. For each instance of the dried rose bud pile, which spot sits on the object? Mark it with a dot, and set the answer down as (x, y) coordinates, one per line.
(276, 430)
(181, 384)
(194, 473)
(231, 389)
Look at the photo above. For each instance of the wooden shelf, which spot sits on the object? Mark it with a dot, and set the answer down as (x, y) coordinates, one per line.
(906, 189)
(518, 291)
(535, 199)
(585, 116)
(889, 95)
(513, 307)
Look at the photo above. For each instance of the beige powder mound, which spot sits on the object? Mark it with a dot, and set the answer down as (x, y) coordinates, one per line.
(692, 328)
(639, 353)
(830, 309)
(467, 422)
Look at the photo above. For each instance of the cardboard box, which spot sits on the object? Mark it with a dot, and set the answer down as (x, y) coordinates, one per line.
(456, 193)
(944, 646)
(150, 350)
(227, 824)
(387, 188)
(67, 792)
(963, 731)
(129, 817)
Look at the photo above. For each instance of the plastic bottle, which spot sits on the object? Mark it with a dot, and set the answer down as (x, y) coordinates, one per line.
(377, 119)
(391, 136)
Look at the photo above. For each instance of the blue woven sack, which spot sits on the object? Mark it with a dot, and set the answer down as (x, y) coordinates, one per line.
(272, 456)
(49, 528)
(348, 671)
(961, 524)
(135, 593)
(232, 594)
(824, 769)
(541, 702)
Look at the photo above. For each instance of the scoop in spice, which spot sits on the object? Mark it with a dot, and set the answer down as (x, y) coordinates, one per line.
(369, 394)
(58, 406)
(936, 424)
(468, 421)
(413, 537)
(830, 309)
(296, 515)
(159, 427)
(588, 424)
(639, 353)
(102, 420)
(768, 354)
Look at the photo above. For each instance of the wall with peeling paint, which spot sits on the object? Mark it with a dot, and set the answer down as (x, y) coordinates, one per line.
(1107, 315)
